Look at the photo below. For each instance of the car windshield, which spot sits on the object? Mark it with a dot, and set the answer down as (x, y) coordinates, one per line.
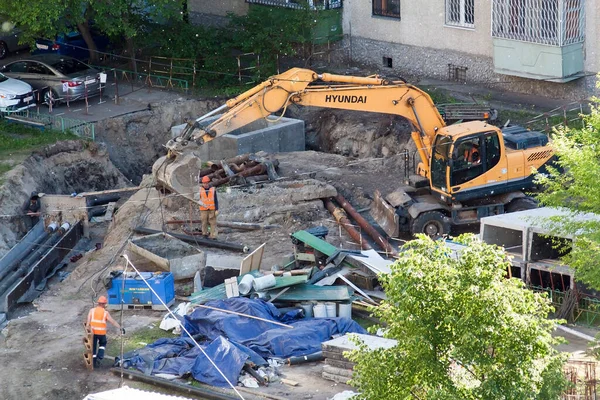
(68, 66)
(3, 78)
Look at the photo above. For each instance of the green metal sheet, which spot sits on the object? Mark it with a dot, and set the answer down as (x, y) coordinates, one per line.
(306, 292)
(314, 242)
(286, 281)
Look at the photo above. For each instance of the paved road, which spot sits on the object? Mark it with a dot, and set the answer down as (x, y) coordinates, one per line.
(129, 99)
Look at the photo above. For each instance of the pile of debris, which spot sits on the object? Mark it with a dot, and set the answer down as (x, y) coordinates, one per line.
(255, 321)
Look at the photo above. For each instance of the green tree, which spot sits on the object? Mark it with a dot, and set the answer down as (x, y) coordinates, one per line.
(573, 185)
(116, 18)
(463, 330)
(272, 32)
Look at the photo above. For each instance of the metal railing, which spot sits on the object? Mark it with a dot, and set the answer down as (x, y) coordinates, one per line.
(556, 23)
(460, 13)
(83, 129)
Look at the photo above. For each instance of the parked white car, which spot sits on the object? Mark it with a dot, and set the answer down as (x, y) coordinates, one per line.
(15, 95)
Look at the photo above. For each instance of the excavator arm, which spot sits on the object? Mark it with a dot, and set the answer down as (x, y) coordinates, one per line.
(307, 88)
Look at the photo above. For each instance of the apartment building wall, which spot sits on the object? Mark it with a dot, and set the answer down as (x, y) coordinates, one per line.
(421, 44)
(214, 12)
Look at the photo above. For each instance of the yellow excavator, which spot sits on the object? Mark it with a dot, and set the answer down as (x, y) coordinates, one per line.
(466, 171)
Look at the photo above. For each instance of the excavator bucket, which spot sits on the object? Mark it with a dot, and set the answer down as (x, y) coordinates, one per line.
(385, 215)
(179, 174)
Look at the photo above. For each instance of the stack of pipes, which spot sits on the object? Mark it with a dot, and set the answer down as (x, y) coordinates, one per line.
(41, 245)
(243, 166)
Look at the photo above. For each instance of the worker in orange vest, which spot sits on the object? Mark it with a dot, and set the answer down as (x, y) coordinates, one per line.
(472, 155)
(209, 208)
(96, 319)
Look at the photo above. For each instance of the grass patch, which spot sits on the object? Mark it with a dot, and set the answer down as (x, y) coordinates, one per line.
(16, 137)
(4, 168)
(532, 120)
(138, 339)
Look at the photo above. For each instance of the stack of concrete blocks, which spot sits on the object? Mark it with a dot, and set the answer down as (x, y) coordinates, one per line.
(338, 367)
(274, 135)
(528, 237)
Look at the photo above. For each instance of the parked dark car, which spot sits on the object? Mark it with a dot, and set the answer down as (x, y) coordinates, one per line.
(58, 78)
(71, 44)
(9, 38)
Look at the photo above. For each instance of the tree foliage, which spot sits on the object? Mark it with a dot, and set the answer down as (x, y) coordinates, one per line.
(573, 185)
(464, 331)
(272, 32)
(115, 18)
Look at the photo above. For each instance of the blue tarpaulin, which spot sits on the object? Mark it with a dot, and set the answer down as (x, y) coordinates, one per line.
(265, 338)
(231, 340)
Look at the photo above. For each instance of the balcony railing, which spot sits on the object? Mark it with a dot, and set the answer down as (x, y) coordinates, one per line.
(555, 23)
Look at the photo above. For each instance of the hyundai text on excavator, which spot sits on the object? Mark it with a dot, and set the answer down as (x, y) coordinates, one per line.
(466, 171)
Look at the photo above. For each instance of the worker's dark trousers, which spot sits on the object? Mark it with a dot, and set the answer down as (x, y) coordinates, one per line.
(100, 345)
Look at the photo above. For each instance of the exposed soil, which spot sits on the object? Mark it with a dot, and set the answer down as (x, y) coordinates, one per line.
(41, 352)
(63, 168)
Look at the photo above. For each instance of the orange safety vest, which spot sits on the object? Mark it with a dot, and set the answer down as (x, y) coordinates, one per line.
(98, 323)
(207, 199)
(470, 153)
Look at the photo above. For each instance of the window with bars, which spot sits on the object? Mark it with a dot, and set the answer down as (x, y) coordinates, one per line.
(386, 8)
(460, 13)
(552, 22)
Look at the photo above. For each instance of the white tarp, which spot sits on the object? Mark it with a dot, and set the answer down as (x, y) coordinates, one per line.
(127, 393)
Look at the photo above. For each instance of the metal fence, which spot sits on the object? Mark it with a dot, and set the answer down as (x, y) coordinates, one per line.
(585, 310)
(556, 23)
(83, 129)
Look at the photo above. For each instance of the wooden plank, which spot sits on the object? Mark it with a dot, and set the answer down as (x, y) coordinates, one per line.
(109, 211)
(253, 260)
(305, 257)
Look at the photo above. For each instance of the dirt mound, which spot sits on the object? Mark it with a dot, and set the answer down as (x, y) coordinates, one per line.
(135, 141)
(353, 133)
(62, 168)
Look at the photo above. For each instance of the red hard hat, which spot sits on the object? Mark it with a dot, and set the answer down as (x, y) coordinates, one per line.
(205, 179)
(102, 300)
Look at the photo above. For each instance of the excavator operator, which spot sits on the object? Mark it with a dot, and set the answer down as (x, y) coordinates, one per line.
(471, 154)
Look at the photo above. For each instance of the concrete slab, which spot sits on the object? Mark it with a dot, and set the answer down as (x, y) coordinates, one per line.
(277, 135)
(169, 253)
(533, 219)
(372, 342)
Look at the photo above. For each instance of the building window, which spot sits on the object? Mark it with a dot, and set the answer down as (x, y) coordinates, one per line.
(386, 8)
(552, 22)
(460, 13)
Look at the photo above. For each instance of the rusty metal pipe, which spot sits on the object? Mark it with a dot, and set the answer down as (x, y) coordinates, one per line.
(365, 225)
(340, 216)
(260, 169)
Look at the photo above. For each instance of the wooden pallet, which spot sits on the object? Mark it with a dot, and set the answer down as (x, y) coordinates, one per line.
(88, 343)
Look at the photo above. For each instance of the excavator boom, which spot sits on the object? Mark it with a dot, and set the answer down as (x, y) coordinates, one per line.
(307, 88)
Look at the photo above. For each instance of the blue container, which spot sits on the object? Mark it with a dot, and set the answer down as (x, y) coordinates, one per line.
(136, 293)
